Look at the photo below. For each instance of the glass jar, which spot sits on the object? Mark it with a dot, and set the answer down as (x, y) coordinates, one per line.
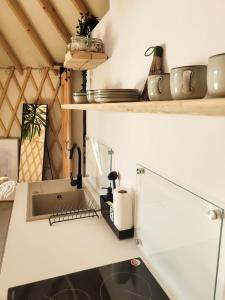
(79, 43)
(95, 45)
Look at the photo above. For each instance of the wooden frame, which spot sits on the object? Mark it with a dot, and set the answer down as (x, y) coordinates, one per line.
(80, 6)
(11, 54)
(56, 19)
(26, 22)
(31, 31)
(66, 121)
(45, 88)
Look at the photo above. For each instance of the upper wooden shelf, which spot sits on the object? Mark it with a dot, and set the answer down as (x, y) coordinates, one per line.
(83, 60)
(205, 107)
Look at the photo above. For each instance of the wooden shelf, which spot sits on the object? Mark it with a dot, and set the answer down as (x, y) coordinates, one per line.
(205, 107)
(83, 60)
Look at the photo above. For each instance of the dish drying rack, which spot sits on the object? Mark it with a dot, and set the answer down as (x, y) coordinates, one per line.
(63, 213)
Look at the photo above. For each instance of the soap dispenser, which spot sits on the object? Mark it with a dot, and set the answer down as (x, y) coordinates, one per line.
(109, 195)
(107, 199)
(106, 202)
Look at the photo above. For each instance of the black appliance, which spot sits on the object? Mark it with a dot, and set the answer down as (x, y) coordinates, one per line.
(126, 280)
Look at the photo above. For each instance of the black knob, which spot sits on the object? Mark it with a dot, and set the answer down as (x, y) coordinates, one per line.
(113, 176)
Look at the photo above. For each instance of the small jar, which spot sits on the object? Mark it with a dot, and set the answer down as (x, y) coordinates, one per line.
(91, 96)
(95, 45)
(79, 43)
(80, 97)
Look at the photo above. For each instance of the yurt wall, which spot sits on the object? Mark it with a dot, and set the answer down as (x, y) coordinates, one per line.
(40, 86)
(32, 45)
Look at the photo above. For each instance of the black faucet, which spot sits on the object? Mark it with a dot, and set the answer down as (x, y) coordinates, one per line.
(78, 181)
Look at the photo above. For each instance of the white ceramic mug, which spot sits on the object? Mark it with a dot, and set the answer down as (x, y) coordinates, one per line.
(216, 75)
(188, 82)
(159, 87)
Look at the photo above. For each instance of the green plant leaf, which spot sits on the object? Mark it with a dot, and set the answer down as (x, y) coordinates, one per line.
(34, 119)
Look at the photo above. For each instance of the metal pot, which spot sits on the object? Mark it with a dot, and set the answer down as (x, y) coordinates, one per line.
(80, 97)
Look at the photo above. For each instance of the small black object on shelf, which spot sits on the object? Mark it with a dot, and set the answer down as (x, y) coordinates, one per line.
(61, 71)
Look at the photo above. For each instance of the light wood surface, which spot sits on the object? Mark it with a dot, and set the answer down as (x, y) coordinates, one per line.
(53, 15)
(31, 31)
(205, 107)
(80, 6)
(83, 60)
(66, 126)
(11, 54)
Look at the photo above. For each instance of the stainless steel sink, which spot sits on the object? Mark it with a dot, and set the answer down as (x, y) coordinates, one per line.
(50, 203)
(41, 204)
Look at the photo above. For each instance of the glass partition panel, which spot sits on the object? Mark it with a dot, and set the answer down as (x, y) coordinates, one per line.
(99, 163)
(180, 235)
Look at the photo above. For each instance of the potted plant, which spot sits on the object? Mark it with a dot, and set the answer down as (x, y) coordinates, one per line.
(86, 24)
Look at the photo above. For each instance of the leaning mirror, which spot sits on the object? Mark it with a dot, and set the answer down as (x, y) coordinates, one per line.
(9, 158)
(32, 142)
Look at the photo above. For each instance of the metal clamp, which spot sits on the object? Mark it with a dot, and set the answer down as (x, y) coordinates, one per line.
(138, 241)
(213, 214)
(140, 171)
(110, 152)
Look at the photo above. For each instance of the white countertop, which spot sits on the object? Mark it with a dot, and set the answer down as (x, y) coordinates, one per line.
(36, 251)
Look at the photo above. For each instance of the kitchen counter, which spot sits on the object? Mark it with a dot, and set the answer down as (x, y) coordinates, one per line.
(36, 251)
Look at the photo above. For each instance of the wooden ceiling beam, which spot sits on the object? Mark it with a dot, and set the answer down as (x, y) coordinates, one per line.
(11, 54)
(80, 6)
(24, 20)
(56, 19)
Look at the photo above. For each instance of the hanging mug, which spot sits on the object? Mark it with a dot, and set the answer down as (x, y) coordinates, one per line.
(159, 87)
(188, 82)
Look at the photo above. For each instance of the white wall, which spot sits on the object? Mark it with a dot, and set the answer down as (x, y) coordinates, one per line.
(188, 148)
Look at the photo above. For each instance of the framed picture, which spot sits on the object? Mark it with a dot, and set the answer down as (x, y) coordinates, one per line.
(9, 158)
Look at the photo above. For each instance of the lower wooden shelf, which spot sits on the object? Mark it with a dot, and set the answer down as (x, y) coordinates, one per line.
(205, 107)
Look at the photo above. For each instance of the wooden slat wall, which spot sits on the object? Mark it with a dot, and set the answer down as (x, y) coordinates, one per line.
(35, 86)
(66, 123)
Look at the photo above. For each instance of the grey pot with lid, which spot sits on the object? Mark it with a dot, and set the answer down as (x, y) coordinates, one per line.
(216, 75)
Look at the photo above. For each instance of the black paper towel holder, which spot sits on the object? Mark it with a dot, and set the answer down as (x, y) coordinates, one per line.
(105, 211)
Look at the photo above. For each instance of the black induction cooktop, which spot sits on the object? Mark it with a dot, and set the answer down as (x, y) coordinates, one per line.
(126, 280)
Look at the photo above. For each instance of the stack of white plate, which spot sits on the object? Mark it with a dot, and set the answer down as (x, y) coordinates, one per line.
(116, 95)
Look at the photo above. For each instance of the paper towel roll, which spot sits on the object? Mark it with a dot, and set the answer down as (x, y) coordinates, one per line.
(123, 209)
